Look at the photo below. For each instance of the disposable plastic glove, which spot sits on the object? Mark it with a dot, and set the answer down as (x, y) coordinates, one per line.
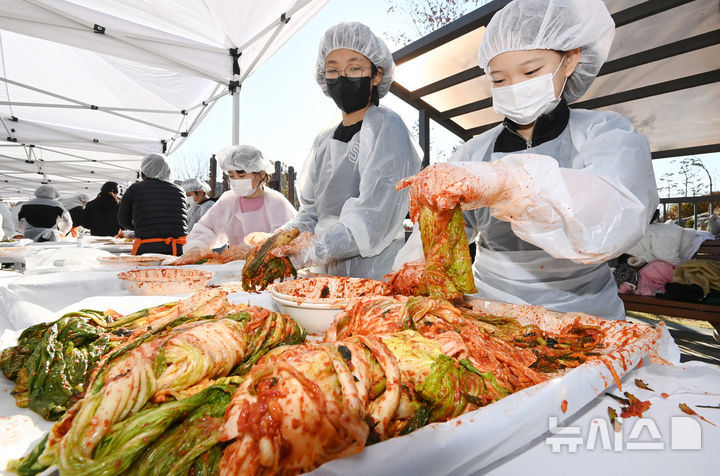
(300, 251)
(256, 238)
(235, 252)
(188, 257)
(470, 184)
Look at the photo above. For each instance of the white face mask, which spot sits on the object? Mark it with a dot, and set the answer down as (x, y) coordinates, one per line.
(242, 187)
(524, 102)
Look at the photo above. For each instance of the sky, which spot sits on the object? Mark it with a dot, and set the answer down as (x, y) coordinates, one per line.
(282, 108)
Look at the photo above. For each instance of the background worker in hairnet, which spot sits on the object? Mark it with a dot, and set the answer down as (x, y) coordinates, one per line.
(75, 205)
(43, 218)
(197, 191)
(156, 209)
(346, 189)
(555, 192)
(7, 224)
(247, 208)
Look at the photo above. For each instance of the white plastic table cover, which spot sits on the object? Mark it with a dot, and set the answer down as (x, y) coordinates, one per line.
(510, 435)
(33, 298)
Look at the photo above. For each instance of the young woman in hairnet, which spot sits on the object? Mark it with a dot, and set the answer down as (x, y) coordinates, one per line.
(347, 186)
(156, 209)
(247, 208)
(554, 192)
(197, 190)
(75, 205)
(43, 218)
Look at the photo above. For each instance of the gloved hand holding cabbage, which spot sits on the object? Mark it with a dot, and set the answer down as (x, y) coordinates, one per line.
(469, 184)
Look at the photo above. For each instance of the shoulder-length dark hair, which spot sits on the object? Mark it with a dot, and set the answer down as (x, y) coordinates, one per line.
(105, 198)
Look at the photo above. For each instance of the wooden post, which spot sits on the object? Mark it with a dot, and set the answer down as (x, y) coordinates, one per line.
(213, 175)
(291, 186)
(226, 183)
(276, 179)
(680, 223)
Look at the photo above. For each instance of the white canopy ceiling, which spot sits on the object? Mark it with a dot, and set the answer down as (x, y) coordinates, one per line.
(87, 87)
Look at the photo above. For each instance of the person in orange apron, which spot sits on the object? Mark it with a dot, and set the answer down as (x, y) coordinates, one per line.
(156, 208)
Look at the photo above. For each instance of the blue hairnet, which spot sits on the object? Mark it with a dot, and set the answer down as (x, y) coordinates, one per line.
(155, 166)
(242, 157)
(357, 37)
(559, 25)
(46, 191)
(195, 185)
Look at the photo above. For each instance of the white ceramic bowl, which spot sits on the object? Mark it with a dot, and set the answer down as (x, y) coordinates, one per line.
(315, 302)
(164, 281)
(314, 317)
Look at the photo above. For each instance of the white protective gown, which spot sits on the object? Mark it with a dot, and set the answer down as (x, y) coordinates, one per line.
(62, 224)
(348, 198)
(225, 222)
(197, 211)
(591, 197)
(8, 223)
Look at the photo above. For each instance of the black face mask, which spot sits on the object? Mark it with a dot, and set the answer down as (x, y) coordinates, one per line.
(350, 95)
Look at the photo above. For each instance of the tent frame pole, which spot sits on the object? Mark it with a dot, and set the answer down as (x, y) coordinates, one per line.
(81, 103)
(236, 117)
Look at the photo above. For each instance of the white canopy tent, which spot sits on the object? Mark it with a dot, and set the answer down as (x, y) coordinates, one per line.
(87, 87)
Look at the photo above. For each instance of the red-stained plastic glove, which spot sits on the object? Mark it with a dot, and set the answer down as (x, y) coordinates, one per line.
(300, 251)
(444, 186)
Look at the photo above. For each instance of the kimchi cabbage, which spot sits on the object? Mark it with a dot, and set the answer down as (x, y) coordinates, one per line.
(170, 363)
(447, 271)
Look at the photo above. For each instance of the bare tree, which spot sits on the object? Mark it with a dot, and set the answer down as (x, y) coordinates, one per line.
(687, 172)
(190, 166)
(426, 16)
(697, 162)
(667, 181)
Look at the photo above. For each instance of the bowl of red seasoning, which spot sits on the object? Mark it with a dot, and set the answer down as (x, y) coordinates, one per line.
(314, 302)
(164, 281)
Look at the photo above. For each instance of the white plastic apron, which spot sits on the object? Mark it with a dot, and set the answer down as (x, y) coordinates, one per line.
(38, 233)
(531, 276)
(257, 216)
(343, 165)
(537, 278)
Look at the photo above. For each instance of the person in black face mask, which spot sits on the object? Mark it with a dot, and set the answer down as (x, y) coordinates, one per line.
(348, 202)
(353, 90)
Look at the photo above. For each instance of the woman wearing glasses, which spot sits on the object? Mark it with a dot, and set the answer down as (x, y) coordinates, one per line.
(349, 207)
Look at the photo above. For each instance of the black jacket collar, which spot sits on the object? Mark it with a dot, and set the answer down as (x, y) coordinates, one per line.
(547, 127)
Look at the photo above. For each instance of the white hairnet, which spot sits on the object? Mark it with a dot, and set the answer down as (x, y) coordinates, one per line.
(155, 166)
(46, 191)
(242, 157)
(195, 185)
(559, 25)
(357, 37)
(82, 197)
